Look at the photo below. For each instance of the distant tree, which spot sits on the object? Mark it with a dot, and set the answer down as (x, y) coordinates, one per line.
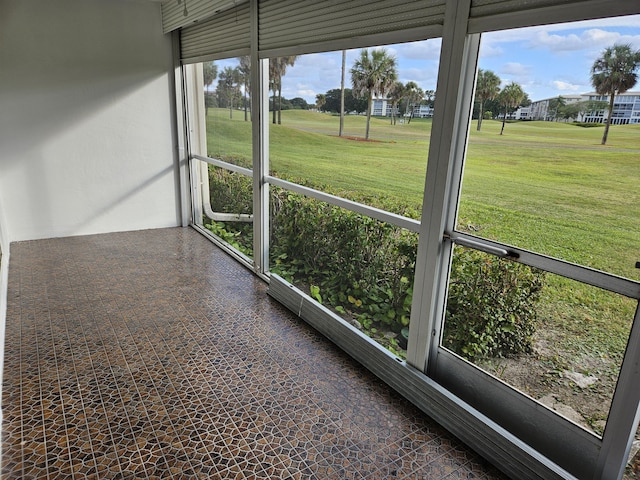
(555, 107)
(396, 94)
(245, 76)
(299, 103)
(613, 73)
(510, 98)
(577, 110)
(487, 88)
(372, 75)
(277, 69)
(209, 73)
(351, 103)
(228, 89)
(321, 100)
(413, 95)
(429, 97)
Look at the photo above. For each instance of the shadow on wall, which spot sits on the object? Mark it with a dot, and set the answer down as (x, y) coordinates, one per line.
(86, 114)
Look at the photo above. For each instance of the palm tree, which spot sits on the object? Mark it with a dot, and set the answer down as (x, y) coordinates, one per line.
(414, 95)
(396, 94)
(487, 88)
(613, 73)
(229, 87)
(372, 75)
(344, 66)
(555, 107)
(321, 99)
(510, 98)
(209, 74)
(245, 76)
(277, 69)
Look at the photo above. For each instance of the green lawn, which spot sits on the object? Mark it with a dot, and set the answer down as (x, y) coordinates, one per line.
(544, 186)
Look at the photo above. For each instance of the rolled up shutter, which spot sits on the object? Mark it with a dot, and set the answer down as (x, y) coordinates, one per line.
(227, 34)
(181, 13)
(489, 15)
(303, 24)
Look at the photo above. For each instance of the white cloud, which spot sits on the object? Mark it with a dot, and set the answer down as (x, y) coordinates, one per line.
(566, 86)
(588, 39)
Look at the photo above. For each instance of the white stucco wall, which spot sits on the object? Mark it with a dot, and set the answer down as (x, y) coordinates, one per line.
(86, 127)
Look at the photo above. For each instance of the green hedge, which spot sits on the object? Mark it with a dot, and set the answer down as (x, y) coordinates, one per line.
(363, 269)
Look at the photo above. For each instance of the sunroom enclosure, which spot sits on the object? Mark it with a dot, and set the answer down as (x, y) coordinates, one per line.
(237, 196)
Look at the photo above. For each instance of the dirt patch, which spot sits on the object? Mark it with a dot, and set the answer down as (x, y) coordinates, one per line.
(358, 139)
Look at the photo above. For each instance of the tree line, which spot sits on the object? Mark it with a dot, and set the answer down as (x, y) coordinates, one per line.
(374, 74)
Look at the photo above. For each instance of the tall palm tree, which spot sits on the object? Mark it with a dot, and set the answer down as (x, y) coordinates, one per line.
(555, 107)
(245, 75)
(277, 69)
(209, 74)
(229, 87)
(414, 95)
(510, 98)
(396, 94)
(487, 88)
(372, 75)
(344, 67)
(613, 73)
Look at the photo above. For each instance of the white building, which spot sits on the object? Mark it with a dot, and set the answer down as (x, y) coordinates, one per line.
(626, 109)
(381, 107)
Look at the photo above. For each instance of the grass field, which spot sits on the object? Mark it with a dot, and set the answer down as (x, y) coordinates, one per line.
(548, 187)
(543, 186)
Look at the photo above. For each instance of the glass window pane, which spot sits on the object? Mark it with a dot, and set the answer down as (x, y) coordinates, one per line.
(557, 340)
(379, 161)
(360, 268)
(227, 91)
(538, 177)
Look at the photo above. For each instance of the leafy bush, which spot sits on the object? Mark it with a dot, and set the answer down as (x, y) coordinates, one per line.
(587, 124)
(363, 269)
(491, 307)
(362, 266)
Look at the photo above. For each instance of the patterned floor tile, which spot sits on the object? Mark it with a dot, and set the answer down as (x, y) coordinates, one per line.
(154, 355)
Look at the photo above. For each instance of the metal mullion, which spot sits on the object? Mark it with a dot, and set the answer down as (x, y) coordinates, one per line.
(624, 413)
(260, 148)
(458, 59)
(182, 134)
(375, 213)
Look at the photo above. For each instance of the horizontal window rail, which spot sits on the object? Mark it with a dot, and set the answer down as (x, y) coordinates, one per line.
(606, 281)
(382, 215)
(229, 166)
(376, 213)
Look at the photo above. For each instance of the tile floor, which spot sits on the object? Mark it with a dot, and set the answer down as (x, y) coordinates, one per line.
(154, 355)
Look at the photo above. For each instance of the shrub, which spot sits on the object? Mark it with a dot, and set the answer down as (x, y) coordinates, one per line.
(361, 265)
(362, 268)
(491, 307)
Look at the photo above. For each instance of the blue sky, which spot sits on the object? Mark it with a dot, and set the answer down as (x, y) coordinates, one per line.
(547, 61)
